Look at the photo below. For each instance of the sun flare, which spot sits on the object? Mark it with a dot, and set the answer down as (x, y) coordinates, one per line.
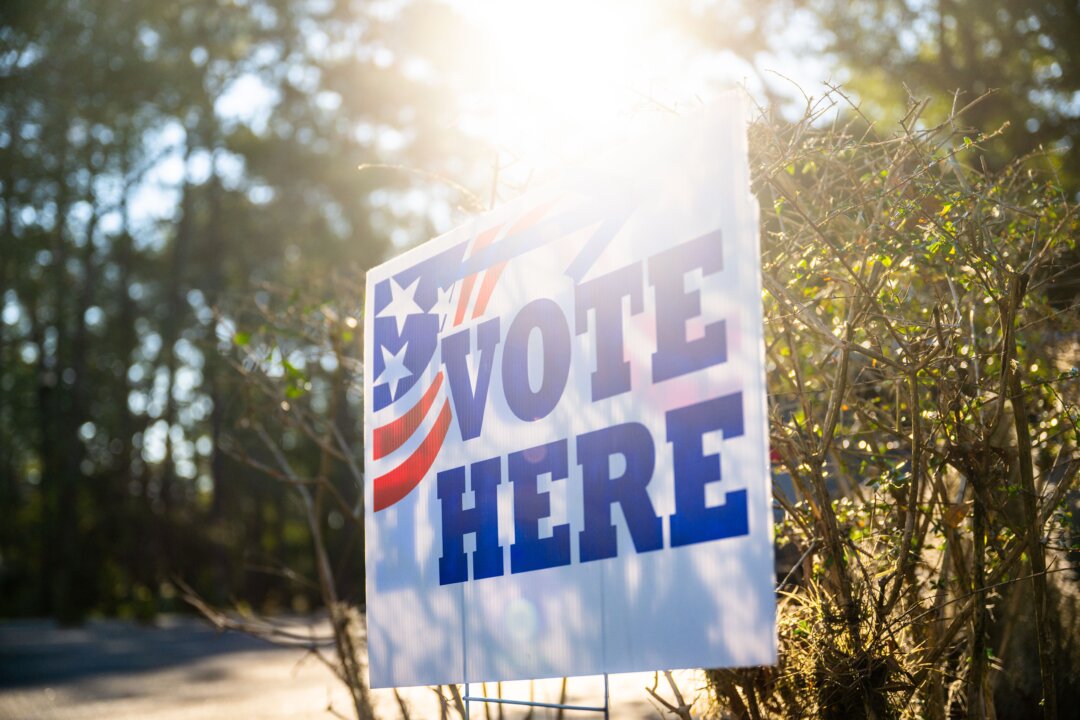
(559, 74)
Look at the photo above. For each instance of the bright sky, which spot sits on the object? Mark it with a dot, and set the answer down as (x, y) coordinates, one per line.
(558, 77)
(569, 73)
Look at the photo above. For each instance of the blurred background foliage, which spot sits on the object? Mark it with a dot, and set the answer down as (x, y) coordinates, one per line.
(182, 217)
(161, 162)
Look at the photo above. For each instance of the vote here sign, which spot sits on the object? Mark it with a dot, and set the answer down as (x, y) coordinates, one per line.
(565, 427)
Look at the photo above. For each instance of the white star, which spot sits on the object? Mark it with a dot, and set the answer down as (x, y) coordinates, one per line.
(394, 369)
(402, 303)
(444, 305)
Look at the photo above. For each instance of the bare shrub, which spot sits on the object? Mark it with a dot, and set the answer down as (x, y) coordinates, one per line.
(924, 406)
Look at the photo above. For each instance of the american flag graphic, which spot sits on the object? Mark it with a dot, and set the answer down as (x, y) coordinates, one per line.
(412, 410)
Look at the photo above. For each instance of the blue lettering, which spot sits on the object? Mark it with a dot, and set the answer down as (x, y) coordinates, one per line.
(530, 551)
(470, 402)
(598, 539)
(482, 519)
(675, 355)
(545, 316)
(693, 521)
(604, 296)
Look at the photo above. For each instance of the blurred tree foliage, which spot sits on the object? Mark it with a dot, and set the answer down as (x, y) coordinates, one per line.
(1024, 51)
(158, 163)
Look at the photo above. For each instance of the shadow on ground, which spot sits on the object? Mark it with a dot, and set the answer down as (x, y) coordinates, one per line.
(183, 669)
(39, 653)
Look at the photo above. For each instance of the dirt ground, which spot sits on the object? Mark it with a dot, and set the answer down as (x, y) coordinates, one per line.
(182, 669)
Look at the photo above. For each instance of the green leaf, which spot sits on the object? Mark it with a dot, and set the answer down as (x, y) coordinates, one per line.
(241, 339)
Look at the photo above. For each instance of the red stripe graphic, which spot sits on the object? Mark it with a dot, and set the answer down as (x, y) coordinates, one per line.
(482, 241)
(399, 482)
(390, 437)
(492, 275)
(463, 299)
(490, 278)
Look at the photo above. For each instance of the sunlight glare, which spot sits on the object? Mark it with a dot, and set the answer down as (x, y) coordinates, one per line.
(561, 74)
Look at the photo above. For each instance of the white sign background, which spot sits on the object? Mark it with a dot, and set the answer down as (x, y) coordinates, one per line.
(706, 604)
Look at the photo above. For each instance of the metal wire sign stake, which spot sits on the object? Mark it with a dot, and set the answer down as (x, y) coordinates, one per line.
(468, 698)
(530, 703)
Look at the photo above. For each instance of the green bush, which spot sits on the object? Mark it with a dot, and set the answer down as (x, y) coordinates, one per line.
(922, 342)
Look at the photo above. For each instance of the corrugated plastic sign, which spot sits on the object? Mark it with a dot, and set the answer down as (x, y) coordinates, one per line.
(565, 426)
